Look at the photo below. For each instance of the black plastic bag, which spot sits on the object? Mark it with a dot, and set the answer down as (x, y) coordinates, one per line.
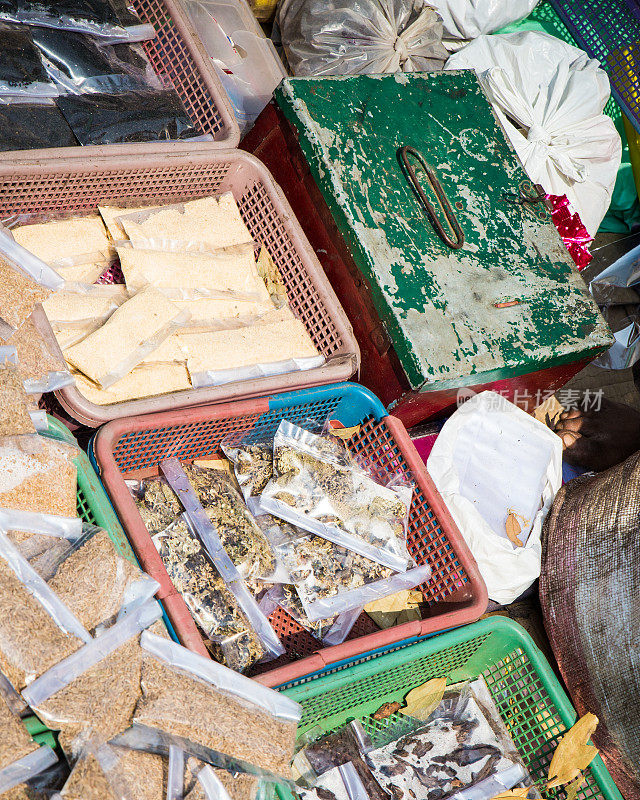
(21, 70)
(126, 118)
(29, 126)
(80, 63)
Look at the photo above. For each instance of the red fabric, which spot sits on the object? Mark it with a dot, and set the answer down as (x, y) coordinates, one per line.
(574, 235)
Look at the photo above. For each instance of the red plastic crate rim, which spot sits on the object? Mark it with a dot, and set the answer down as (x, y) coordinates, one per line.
(127, 448)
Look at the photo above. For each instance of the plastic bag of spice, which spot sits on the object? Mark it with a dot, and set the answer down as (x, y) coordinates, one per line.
(36, 782)
(217, 784)
(38, 474)
(96, 17)
(14, 408)
(241, 725)
(134, 116)
(36, 629)
(25, 770)
(317, 487)
(95, 690)
(32, 126)
(214, 608)
(22, 73)
(15, 740)
(40, 360)
(330, 579)
(207, 532)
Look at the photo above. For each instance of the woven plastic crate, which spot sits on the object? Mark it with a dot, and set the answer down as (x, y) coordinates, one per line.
(56, 185)
(133, 448)
(181, 63)
(609, 30)
(529, 697)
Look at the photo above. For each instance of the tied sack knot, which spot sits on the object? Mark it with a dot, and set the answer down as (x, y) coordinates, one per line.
(538, 134)
(401, 49)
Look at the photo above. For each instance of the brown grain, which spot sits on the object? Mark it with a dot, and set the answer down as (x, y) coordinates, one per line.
(18, 295)
(35, 359)
(14, 416)
(15, 741)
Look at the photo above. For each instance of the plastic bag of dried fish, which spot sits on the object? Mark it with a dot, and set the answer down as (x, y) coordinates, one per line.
(339, 783)
(245, 543)
(331, 579)
(103, 772)
(318, 487)
(231, 638)
(38, 474)
(207, 532)
(456, 749)
(94, 691)
(37, 630)
(211, 712)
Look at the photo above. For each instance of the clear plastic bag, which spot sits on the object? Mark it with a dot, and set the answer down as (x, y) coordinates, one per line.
(38, 474)
(131, 333)
(339, 783)
(96, 17)
(40, 360)
(253, 467)
(15, 740)
(207, 533)
(318, 489)
(95, 690)
(203, 703)
(32, 126)
(14, 408)
(217, 784)
(37, 629)
(80, 309)
(134, 116)
(27, 768)
(21, 69)
(81, 64)
(348, 37)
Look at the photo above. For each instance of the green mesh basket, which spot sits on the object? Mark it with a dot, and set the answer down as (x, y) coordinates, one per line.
(531, 701)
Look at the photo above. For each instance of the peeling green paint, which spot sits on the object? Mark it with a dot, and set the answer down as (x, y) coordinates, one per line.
(437, 304)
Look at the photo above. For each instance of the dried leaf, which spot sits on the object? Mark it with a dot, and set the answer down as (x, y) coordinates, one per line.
(574, 787)
(512, 794)
(213, 463)
(573, 754)
(513, 530)
(337, 429)
(421, 702)
(386, 710)
(403, 606)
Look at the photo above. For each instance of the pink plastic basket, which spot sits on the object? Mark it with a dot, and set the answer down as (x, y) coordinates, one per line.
(36, 187)
(133, 448)
(180, 61)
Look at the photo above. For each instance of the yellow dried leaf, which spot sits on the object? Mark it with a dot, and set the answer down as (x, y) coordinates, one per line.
(343, 433)
(421, 702)
(512, 794)
(573, 754)
(403, 606)
(513, 530)
(213, 463)
(574, 787)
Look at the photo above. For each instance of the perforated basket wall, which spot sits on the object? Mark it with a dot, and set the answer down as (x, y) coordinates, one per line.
(54, 186)
(130, 448)
(529, 697)
(609, 30)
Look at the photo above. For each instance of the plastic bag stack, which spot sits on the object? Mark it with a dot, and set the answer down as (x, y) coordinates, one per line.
(549, 98)
(464, 20)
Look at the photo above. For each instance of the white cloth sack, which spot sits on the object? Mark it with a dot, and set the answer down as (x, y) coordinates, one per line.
(492, 458)
(349, 37)
(556, 95)
(468, 19)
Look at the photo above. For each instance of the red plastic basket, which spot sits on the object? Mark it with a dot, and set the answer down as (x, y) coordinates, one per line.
(49, 187)
(181, 62)
(133, 448)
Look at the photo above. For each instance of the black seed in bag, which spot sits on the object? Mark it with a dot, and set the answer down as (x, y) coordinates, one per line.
(21, 69)
(27, 126)
(80, 63)
(97, 17)
(132, 117)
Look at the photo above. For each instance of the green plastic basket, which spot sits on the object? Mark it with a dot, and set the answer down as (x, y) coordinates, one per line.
(531, 701)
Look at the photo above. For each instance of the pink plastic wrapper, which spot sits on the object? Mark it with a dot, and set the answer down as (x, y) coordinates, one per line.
(574, 235)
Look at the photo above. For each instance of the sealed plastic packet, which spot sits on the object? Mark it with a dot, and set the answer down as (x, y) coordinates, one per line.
(40, 537)
(25, 281)
(33, 125)
(15, 778)
(22, 73)
(317, 489)
(14, 413)
(96, 17)
(15, 740)
(133, 332)
(208, 534)
(339, 783)
(217, 715)
(253, 466)
(95, 690)
(37, 629)
(38, 474)
(217, 784)
(40, 360)
(103, 772)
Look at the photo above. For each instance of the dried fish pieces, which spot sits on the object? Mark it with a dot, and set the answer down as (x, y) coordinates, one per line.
(186, 706)
(38, 474)
(19, 295)
(30, 640)
(213, 607)
(15, 741)
(323, 493)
